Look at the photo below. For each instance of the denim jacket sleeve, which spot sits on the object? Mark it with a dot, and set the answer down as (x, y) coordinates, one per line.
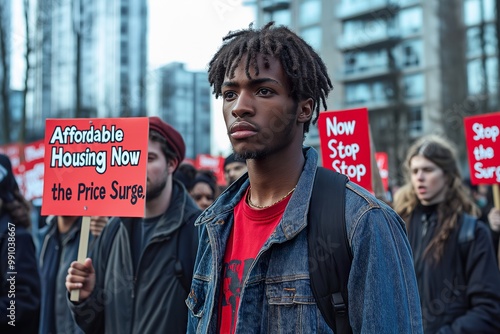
(383, 292)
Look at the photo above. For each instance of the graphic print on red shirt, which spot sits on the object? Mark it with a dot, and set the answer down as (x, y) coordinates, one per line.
(250, 231)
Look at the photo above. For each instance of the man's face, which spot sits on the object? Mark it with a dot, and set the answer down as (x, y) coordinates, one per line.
(261, 117)
(234, 170)
(157, 171)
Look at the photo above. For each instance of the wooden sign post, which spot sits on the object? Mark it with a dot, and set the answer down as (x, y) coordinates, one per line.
(95, 167)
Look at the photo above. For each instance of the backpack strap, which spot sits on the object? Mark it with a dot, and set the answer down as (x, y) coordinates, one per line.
(467, 229)
(330, 255)
(466, 234)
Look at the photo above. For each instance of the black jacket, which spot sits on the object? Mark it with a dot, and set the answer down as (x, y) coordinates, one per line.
(461, 293)
(25, 292)
(149, 298)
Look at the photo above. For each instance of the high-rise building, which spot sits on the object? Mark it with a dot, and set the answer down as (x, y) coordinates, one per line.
(419, 66)
(5, 51)
(91, 59)
(182, 98)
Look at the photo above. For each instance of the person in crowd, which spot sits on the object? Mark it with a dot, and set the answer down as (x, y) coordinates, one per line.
(234, 167)
(186, 173)
(20, 285)
(482, 195)
(59, 249)
(494, 223)
(457, 277)
(139, 276)
(251, 274)
(204, 189)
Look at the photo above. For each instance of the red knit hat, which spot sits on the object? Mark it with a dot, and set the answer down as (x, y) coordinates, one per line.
(173, 138)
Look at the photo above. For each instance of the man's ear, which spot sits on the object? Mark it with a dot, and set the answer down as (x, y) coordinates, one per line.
(306, 109)
(172, 165)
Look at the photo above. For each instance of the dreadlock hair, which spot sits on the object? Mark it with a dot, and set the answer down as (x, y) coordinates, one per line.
(306, 72)
(457, 201)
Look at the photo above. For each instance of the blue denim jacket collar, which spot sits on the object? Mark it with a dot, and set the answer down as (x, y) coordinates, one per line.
(298, 206)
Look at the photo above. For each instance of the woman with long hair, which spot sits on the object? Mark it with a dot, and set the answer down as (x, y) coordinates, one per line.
(457, 277)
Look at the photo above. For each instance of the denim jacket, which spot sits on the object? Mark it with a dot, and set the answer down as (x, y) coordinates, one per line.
(276, 296)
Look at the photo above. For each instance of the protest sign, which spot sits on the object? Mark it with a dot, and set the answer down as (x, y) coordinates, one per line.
(33, 170)
(345, 144)
(213, 163)
(383, 168)
(95, 167)
(482, 134)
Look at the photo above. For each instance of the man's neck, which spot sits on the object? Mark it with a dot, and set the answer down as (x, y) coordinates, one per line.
(273, 177)
(64, 223)
(160, 204)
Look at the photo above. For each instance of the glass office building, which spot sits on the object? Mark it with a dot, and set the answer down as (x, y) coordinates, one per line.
(101, 45)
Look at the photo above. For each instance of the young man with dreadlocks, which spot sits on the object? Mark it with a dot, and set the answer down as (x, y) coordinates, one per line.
(251, 273)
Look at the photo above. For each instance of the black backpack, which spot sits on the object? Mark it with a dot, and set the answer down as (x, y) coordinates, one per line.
(330, 255)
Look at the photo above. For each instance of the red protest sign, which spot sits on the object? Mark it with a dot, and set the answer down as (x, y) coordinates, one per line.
(213, 163)
(345, 144)
(33, 169)
(482, 136)
(95, 167)
(383, 168)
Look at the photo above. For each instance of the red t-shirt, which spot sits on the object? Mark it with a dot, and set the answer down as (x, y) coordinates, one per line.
(250, 231)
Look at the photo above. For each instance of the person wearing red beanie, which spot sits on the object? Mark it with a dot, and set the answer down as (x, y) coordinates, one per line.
(172, 137)
(143, 266)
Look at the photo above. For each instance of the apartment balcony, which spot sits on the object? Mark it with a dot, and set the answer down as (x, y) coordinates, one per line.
(368, 39)
(371, 104)
(361, 73)
(373, 9)
(273, 5)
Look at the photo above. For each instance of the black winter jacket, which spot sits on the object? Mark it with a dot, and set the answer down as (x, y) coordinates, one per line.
(461, 293)
(149, 298)
(19, 292)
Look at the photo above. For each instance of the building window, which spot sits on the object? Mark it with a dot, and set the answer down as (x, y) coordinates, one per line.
(366, 61)
(490, 39)
(312, 36)
(281, 17)
(413, 86)
(364, 92)
(410, 21)
(476, 11)
(309, 12)
(472, 12)
(364, 31)
(415, 120)
(474, 77)
(481, 81)
(474, 43)
(410, 53)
